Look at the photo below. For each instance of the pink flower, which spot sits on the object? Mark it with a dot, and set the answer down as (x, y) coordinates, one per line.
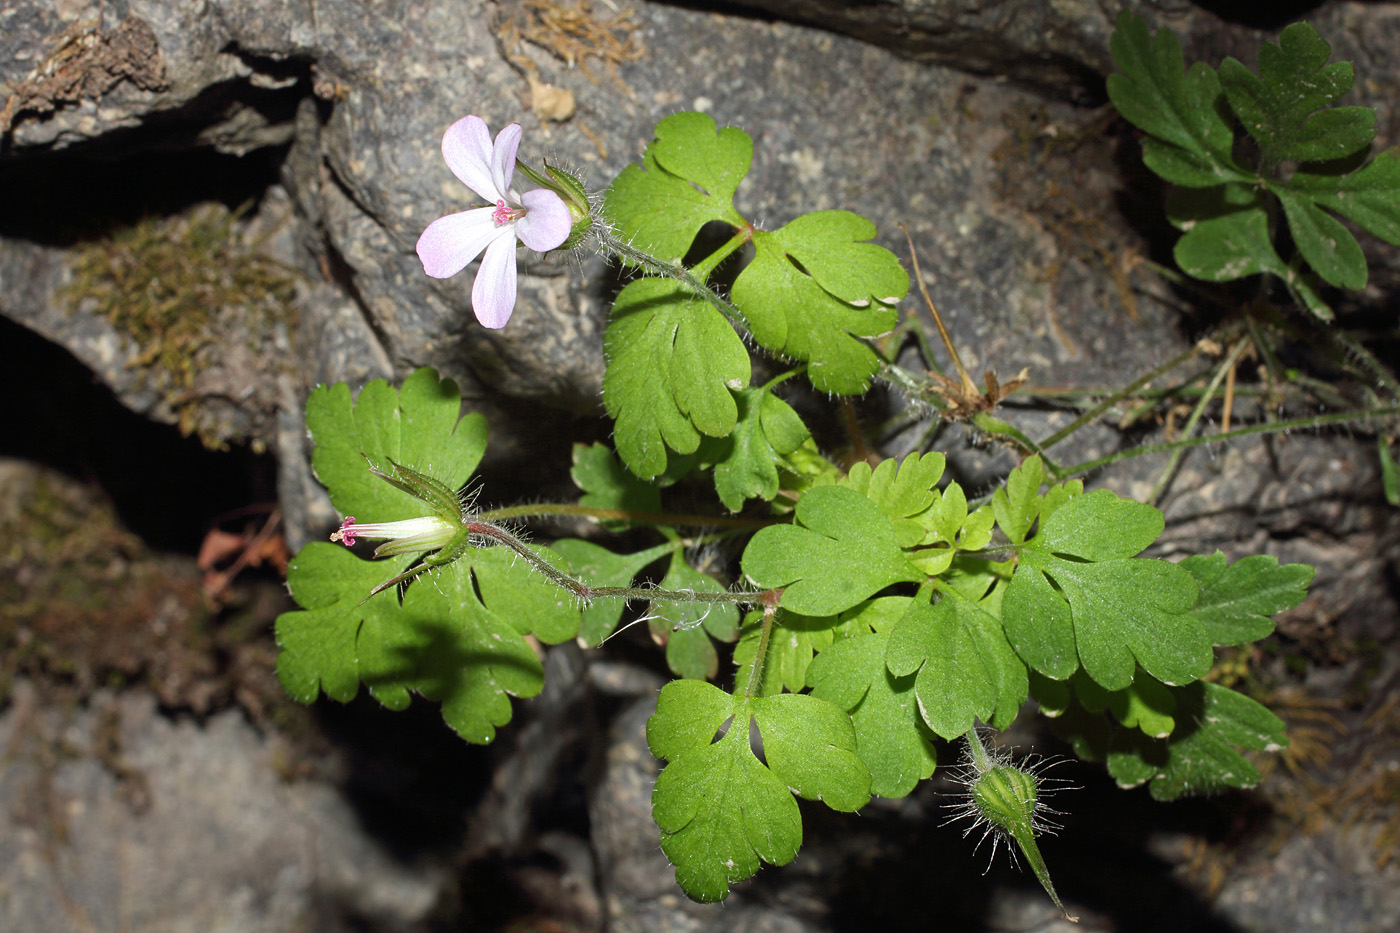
(539, 219)
(408, 536)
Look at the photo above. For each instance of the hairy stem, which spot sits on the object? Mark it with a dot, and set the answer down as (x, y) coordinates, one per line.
(585, 593)
(630, 515)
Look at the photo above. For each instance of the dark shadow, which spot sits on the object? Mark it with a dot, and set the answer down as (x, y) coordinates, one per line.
(167, 488)
(410, 779)
(919, 876)
(1256, 15)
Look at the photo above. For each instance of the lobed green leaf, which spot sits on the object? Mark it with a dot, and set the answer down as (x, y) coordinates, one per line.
(1237, 601)
(1279, 107)
(1153, 91)
(419, 426)
(841, 551)
(746, 462)
(686, 178)
(890, 737)
(813, 289)
(1200, 756)
(672, 363)
(966, 670)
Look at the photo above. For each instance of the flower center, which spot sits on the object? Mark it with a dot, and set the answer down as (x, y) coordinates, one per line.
(506, 215)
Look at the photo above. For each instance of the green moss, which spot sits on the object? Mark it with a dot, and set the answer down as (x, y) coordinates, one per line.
(179, 287)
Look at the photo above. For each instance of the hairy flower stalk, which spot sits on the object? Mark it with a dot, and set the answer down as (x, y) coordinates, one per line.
(1005, 799)
(454, 529)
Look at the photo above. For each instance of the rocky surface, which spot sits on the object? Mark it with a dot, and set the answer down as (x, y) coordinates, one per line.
(951, 118)
(117, 817)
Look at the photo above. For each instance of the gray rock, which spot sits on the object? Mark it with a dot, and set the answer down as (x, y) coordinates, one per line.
(360, 100)
(114, 817)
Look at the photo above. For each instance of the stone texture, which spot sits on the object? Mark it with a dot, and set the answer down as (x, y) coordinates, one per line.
(115, 817)
(351, 100)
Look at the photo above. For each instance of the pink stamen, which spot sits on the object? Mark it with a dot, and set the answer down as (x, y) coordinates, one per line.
(346, 534)
(502, 214)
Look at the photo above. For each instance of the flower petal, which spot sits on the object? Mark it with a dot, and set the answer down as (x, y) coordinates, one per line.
(493, 293)
(466, 147)
(547, 221)
(451, 242)
(503, 159)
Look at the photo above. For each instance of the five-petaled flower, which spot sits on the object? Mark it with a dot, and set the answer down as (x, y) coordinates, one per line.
(540, 219)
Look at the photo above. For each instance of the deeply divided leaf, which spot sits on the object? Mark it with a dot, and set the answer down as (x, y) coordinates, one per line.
(606, 484)
(672, 363)
(813, 288)
(1201, 755)
(841, 550)
(1182, 111)
(1282, 107)
(420, 426)
(890, 736)
(441, 642)
(686, 179)
(746, 462)
(966, 670)
(1238, 600)
(721, 811)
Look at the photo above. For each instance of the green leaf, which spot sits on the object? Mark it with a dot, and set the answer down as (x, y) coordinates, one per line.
(842, 551)
(1237, 602)
(1132, 610)
(901, 488)
(1146, 704)
(890, 737)
(1101, 526)
(966, 669)
(1016, 504)
(746, 466)
(606, 484)
(445, 645)
(672, 361)
(518, 593)
(1121, 609)
(1038, 624)
(1183, 111)
(1279, 108)
(1369, 196)
(795, 641)
(1200, 756)
(417, 426)
(721, 812)
(317, 645)
(687, 178)
(442, 642)
(1229, 247)
(1328, 247)
(811, 745)
(813, 288)
(1057, 495)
